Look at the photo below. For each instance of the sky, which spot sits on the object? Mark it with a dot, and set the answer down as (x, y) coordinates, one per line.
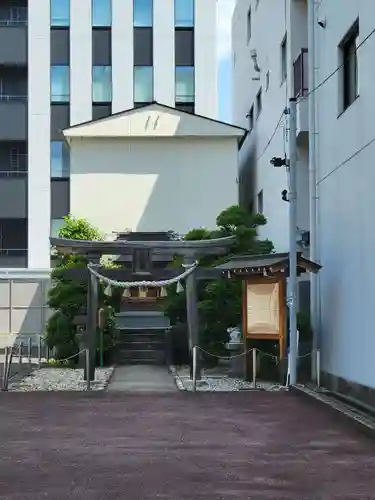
(225, 10)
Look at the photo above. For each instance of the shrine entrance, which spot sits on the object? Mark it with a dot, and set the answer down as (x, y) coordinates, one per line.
(143, 273)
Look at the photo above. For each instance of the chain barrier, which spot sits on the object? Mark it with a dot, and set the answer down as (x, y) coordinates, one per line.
(238, 355)
(143, 284)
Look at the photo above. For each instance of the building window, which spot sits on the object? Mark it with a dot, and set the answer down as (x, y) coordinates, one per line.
(101, 13)
(59, 160)
(284, 59)
(185, 84)
(349, 70)
(13, 236)
(60, 12)
(143, 13)
(56, 225)
(259, 102)
(102, 83)
(184, 13)
(60, 84)
(248, 25)
(143, 46)
(186, 107)
(143, 84)
(184, 47)
(260, 202)
(250, 116)
(267, 80)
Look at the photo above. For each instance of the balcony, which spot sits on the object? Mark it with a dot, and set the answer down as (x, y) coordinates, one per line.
(13, 34)
(13, 160)
(301, 90)
(13, 103)
(13, 242)
(13, 15)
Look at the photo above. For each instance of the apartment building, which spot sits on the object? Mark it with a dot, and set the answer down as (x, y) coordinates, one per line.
(320, 52)
(64, 62)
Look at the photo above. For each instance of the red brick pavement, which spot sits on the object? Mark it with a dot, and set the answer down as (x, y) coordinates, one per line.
(179, 446)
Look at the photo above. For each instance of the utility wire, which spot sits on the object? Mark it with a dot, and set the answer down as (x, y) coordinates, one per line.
(323, 82)
(272, 136)
(350, 158)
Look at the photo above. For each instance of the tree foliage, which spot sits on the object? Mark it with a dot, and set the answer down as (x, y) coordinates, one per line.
(68, 297)
(220, 300)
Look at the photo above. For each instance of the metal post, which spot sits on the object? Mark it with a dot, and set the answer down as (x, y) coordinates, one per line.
(20, 345)
(194, 368)
(40, 351)
(293, 240)
(9, 366)
(318, 368)
(29, 349)
(254, 353)
(313, 190)
(5, 368)
(101, 333)
(88, 361)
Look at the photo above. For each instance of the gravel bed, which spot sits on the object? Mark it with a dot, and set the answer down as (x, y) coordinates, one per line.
(61, 379)
(220, 383)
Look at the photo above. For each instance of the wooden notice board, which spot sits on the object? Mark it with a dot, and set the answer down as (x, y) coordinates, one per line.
(263, 309)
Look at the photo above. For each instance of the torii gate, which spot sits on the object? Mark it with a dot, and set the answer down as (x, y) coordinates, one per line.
(191, 251)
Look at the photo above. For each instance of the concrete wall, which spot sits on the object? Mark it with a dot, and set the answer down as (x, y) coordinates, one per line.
(23, 307)
(346, 238)
(153, 184)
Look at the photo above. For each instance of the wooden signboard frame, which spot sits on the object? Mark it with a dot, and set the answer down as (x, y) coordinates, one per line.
(280, 337)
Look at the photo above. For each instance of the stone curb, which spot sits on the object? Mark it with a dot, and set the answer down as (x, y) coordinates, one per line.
(177, 379)
(360, 420)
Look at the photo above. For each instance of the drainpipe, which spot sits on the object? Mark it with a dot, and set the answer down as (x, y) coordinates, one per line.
(314, 308)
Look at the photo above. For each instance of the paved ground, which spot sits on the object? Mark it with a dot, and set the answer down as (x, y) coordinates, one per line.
(142, 378)
(180, 446)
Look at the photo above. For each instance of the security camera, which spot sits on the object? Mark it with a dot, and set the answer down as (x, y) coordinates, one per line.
(278, 162)
(284, 195)
(322, 22)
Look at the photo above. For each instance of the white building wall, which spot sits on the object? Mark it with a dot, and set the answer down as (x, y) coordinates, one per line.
(143, 186)
(345, 173)
(39, 183)
(206, 65)
(164, 52)
(272, 181)
(279, 18)
(346, 238)
(80, 61)
(122, 55)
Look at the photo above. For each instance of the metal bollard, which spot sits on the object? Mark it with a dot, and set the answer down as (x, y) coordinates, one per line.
(40, 351)
(254, 353)
(318, 368)
(20, 346)
(29, 349)
(194, 368)
(5, 369)
(88, 381)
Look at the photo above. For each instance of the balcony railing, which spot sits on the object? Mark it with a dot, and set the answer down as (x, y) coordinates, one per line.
(12, 173)
(13, 16)
(12, 97)
(13, 252)
(301, 74)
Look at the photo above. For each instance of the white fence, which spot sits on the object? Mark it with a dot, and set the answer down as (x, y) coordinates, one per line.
(23, 305)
